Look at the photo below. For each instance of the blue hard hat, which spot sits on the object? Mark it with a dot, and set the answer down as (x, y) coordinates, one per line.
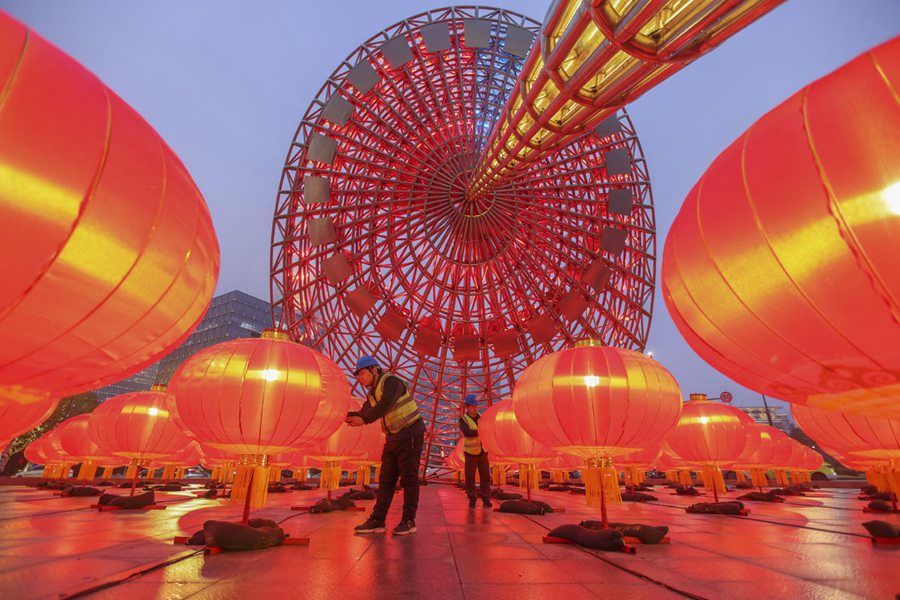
(470, 400)
(365, 362)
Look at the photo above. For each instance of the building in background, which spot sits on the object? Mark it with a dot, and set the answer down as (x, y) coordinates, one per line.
(229, 316)
(780, 419)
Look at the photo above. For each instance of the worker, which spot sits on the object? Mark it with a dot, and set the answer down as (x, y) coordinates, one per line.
(389, 399)
(476, 455)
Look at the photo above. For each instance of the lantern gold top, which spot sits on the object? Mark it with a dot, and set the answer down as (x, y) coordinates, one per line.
(274, 334)
(588, 342)
(158, 387)
(698, 397)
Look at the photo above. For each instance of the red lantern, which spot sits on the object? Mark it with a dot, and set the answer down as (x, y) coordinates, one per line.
(21, 418)
(560, 465)
(137, 426)
(47, 451)
(851, 434)
(636, 464)
(109, 255)
(343, 445)
(597, 402)
(72, 435)
(256, 397)
(710, 434)
(501, 434)
(780, 270)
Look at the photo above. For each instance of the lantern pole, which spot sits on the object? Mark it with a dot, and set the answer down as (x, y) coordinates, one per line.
(137, 469)
(246, 516)
(768, 414)
(603, 516)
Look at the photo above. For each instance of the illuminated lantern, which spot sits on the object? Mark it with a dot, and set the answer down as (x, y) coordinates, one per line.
(343, 445)
(368, 459)
(109, 256)
(47, 451)
(560, 466)
(850, 434)
(72, 435)
(255, 397)
(780, 269)
(220, 462)
(636, 464)
(456, 461)
(597, 402)
(710, 434)
(173, 464)
(21, 418)
(137, 426)
(857, 436)
(501, 434)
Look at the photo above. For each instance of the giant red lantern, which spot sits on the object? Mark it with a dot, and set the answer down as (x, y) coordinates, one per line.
(47, 451)
(597, 402)
(344, 445)
(857, 437)
(780, 269)
(256, 397)
(109, 256)
(20, 418)
(710, 434)
(72, 435)
(137, 426)
(850, 434)
(503, 436)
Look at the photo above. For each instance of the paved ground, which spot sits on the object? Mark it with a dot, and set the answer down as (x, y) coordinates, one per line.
(53, 547)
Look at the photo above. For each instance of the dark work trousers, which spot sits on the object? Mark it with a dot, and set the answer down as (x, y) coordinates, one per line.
(399, 460)
(480, 462)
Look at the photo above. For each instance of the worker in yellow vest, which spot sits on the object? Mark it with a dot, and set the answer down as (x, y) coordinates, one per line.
(389, 399)
(476, 455)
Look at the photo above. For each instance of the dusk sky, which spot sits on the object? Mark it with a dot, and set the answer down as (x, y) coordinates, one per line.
(226, 83)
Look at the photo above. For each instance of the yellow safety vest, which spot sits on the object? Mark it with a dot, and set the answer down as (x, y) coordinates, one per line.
(471, 445)
(400, 416)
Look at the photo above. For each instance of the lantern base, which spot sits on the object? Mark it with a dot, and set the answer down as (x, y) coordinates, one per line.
(549, 539)
(348, 509)
(886, 541)
(106, 508)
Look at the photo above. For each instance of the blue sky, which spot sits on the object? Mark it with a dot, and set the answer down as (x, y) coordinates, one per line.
(226, 83)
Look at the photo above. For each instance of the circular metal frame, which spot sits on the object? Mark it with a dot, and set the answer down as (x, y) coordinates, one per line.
(378, 250)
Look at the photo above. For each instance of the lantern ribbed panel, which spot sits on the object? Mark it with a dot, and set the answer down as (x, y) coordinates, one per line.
(260, 396)
(633, 401)
(110, 258)
(20, 418)
(348, 442)
(137, 426)
(501, 434)
(798, 299)
(74, 439)
(764, 451)
(562, 462)
(642, 458)
(41, 452)
(849, 433)
(709, 432)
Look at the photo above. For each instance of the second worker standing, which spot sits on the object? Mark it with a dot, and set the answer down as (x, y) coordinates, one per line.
(476, 455)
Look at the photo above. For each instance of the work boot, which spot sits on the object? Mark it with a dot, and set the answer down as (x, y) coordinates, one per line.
(405, 528)
(471, 502)
(486, 504)
(370, 526)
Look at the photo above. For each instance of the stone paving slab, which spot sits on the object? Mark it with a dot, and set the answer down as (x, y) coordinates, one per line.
(51, 547)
